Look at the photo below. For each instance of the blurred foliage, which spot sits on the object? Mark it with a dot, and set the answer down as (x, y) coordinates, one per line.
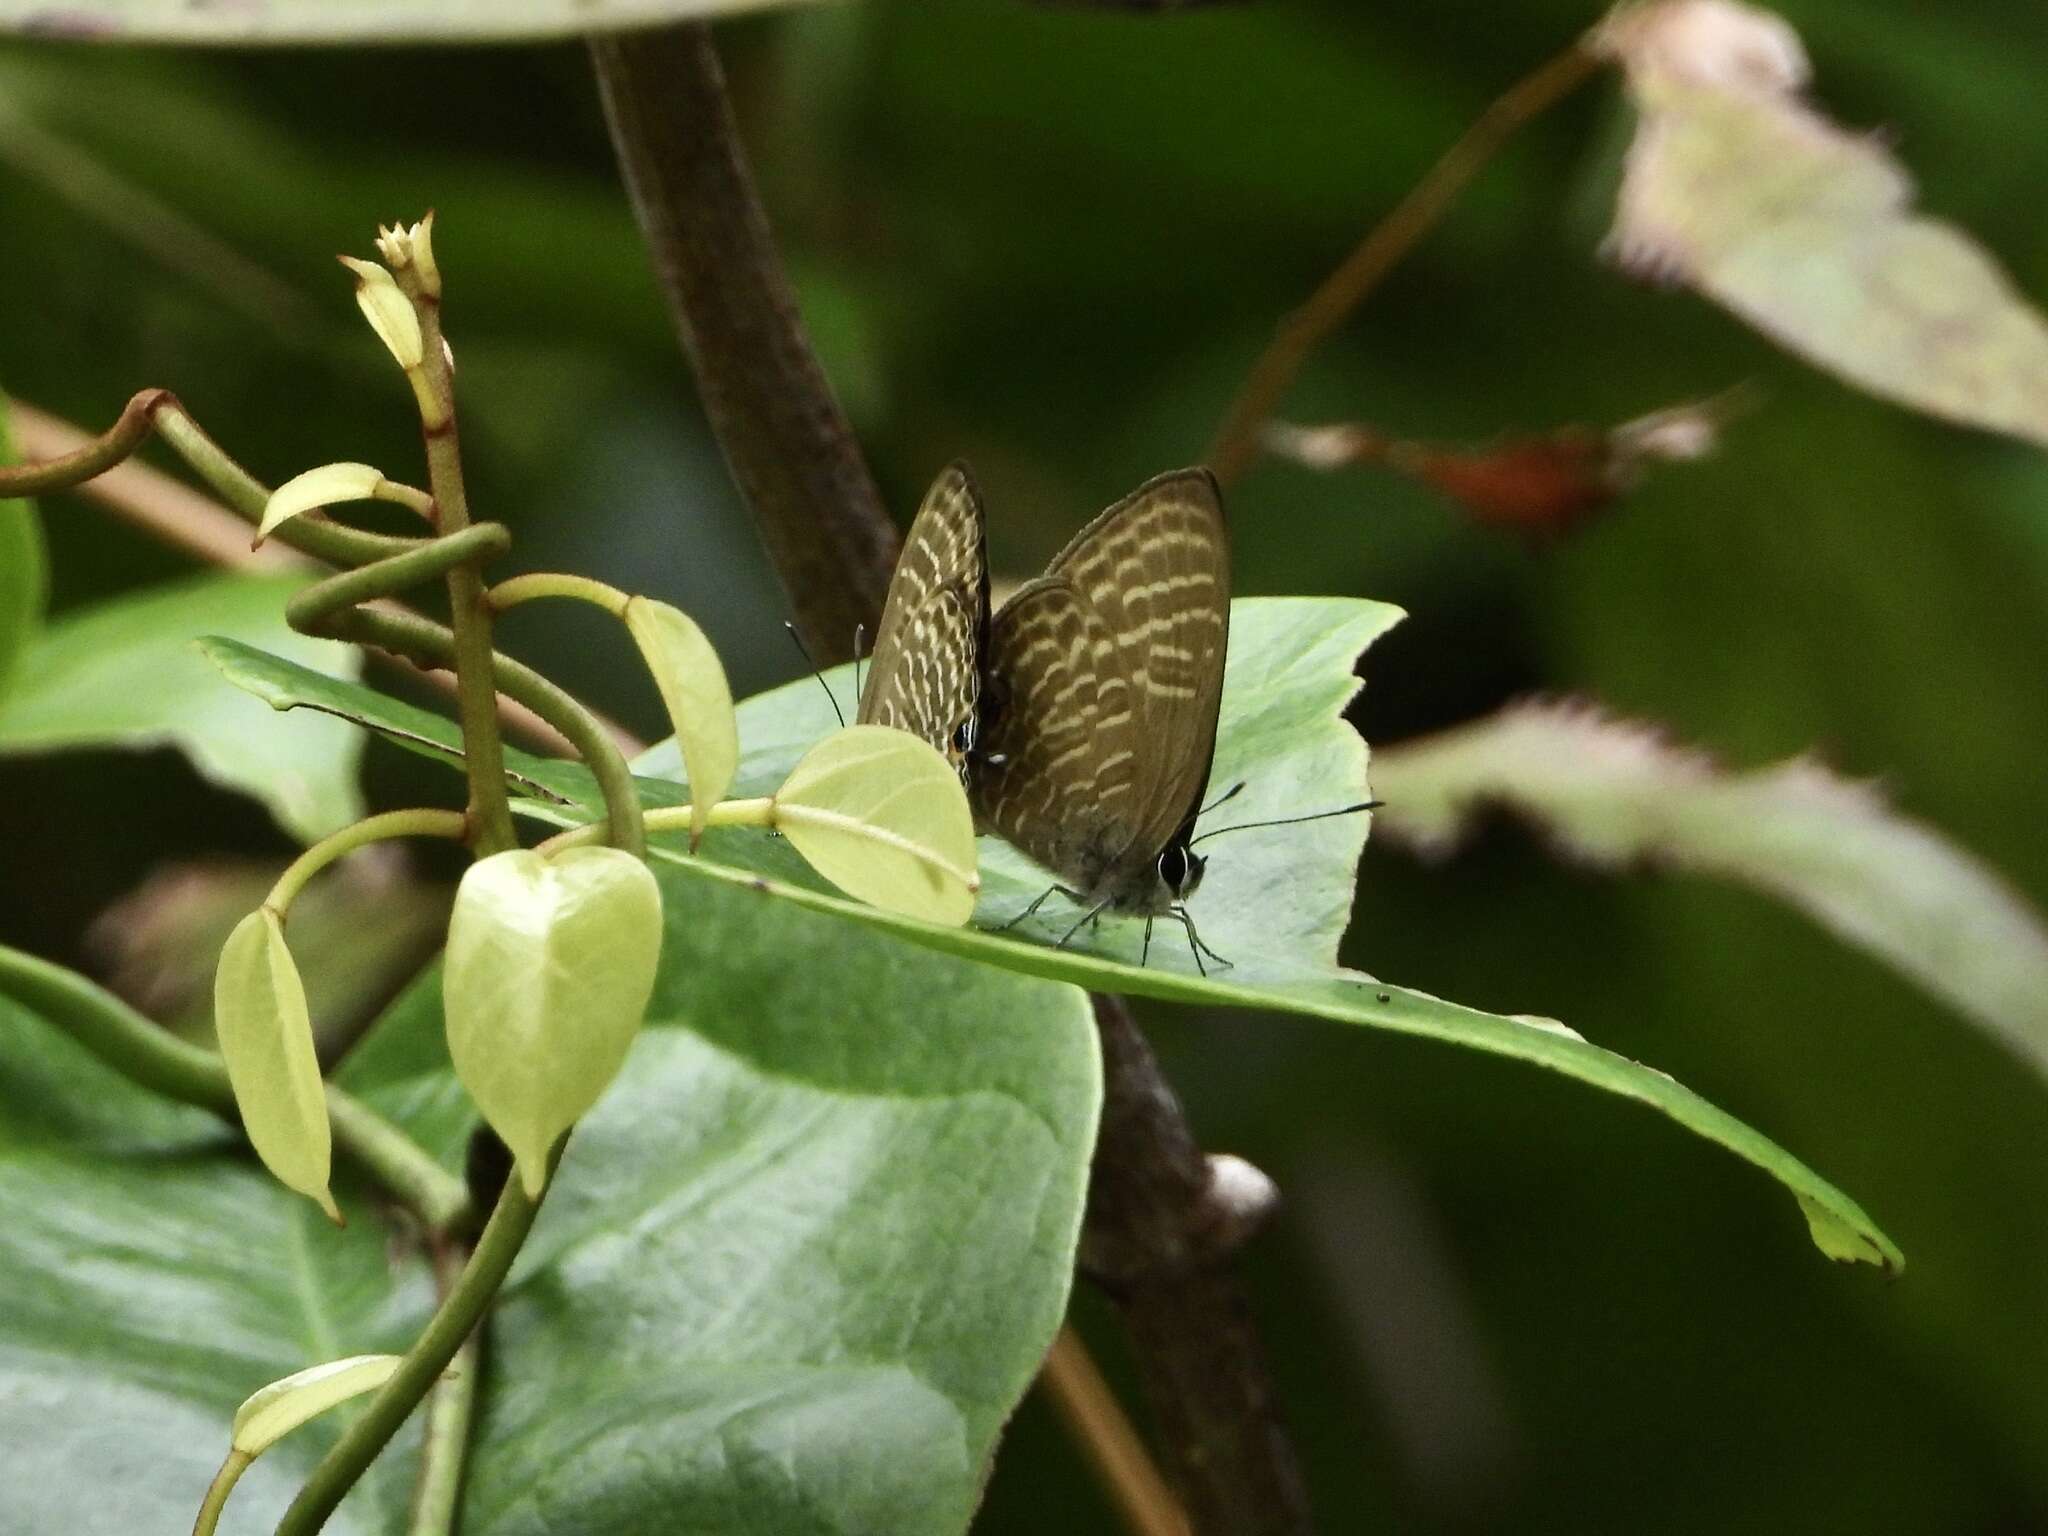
(1051, 241)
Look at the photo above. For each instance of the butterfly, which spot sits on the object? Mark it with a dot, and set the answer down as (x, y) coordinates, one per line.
(1101, 682)
(925, 676)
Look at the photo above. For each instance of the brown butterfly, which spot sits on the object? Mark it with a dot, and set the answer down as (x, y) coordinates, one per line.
(926, 671)
(1101, 683)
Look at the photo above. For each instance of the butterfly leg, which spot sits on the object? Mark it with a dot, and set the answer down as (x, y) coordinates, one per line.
(1086, 918)
(1195, 943)
(1146, 953)
(1041, 899)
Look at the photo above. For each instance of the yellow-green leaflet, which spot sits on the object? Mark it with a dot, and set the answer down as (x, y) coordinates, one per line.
(882, 815)
(266, 1037)
(694, 691)
(389, 312)
(549, 967)
(270, 1413)
(317, 488)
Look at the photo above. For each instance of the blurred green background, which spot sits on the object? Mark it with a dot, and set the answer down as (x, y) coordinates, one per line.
(1050, 241)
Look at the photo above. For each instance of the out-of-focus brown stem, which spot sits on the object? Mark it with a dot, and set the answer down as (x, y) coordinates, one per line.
(1237, 440)
(784, 436)
(1097, 1421)
(834, 548)
(1158, 1240)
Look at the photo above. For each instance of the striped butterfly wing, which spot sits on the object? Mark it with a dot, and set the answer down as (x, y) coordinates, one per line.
(1056, 768)
(925, 674)
(1155, 568)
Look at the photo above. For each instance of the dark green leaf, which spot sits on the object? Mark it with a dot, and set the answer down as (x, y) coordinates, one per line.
(126, 674)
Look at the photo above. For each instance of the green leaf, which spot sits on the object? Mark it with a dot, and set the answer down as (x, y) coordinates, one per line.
(266, 1037)
(1274, 901)
(883, 816)
(550, 963)
(271, 1412)
(806, 1255)
(698, 699)
(389, 312)
(1735, 186)
(24, 576)
(320, 487)
(1620, 797)
(363, 21)
(125, 673)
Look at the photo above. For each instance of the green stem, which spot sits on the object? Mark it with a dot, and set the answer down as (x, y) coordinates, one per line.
(400, 1164)
(451, 1411)
(243, 493)
(452, 1323)
(422, 639)
(390, 824)
(218, 1490)
(673, 818)
(95, 458)
(483, 751)
(247, 496)
(523, 589)
(312, 610)
(152, 1056)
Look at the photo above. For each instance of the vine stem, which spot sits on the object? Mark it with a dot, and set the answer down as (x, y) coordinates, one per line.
(424, 822)
(469, 616)
(408, 634)
(209, 530)
(158, 1060)
(217, 1492)
(453, 1322)
(524, 589)
(437, 1495)
(1236, 442)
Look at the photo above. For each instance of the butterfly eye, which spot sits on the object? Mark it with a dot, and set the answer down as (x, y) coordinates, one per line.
(963, 736)
(1173, 867)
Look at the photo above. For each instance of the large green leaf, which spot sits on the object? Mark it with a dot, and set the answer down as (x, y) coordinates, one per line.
(361, 21)
(125, 674)
(1274, 902)
(793, 1275)
(155, 1276)
(23, 577)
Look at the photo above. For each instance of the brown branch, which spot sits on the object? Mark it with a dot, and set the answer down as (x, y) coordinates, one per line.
(785, 439)
(1237, 440)
(834, 548)
(1158, 1239)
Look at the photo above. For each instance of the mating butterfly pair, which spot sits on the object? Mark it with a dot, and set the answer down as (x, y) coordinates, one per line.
(1083, 715)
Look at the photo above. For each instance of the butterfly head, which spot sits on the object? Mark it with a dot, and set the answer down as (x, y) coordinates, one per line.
(1180, 869)
(959, 742)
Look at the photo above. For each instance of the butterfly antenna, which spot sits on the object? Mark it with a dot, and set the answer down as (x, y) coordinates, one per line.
(804, 651)
(860, 634)
(1229, 794)
(1288, 821)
